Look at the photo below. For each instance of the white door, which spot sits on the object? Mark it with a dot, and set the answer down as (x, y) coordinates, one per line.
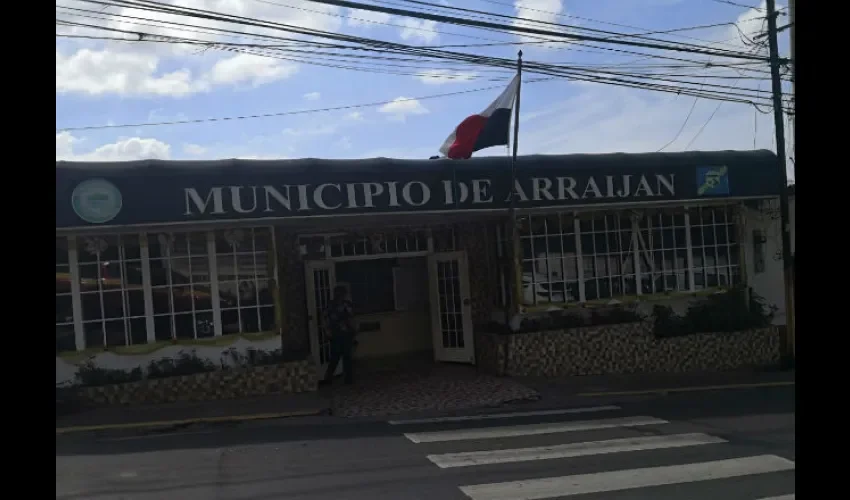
(321, 280)
(451, 310)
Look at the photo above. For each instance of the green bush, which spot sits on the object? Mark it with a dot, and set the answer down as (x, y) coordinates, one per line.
(91, 375)
(735, 310)
(186, 363)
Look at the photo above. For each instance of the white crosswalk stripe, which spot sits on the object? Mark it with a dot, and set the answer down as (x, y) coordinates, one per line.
(602, 482)
(468, 418)
(467, 459)
(531, 429)
(486, 448)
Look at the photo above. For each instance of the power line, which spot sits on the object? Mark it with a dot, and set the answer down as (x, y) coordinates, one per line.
(283, 113)
(575, 74)
(736, 4)
(522, 29)
(644, 81)
(211, 15)
(619, 25)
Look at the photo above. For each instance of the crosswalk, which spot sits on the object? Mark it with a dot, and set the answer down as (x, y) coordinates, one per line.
(643, 455)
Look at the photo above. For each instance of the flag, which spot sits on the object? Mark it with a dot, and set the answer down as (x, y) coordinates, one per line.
(489, 128)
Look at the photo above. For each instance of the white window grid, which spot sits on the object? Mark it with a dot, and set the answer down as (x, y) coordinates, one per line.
(663, 251)
(607, 249)
(127, 273)
(450, 304)
(180, 285)
(375, 245)
(64, 297)
(714, 247)
(242, 258)
(111, 290)
(673, 250)
(549, 265)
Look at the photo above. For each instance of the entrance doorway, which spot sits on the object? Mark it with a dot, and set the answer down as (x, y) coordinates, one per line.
(451, 309)
(445, 294)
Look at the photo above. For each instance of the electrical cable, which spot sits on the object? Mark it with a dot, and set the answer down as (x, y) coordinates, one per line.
(211, 15)
(282, 113)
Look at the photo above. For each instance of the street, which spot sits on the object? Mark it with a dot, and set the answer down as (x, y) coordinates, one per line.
(735, 445)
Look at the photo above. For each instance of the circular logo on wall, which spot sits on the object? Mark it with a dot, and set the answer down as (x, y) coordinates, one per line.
(96, 201)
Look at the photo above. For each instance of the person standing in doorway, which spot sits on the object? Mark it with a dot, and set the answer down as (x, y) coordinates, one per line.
(339, 322)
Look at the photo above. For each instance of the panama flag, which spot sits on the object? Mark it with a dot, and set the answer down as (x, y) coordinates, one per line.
(488, 128)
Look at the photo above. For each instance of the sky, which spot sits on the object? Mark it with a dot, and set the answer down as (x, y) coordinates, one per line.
(107, 83)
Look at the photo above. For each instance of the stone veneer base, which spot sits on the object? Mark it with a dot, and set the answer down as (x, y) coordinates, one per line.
(622, 349)
(298, 376)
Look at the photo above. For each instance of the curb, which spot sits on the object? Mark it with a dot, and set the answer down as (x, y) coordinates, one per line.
(191, 421)
(696, 388)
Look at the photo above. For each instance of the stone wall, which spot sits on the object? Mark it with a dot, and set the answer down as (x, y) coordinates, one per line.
(624, 348)
(478, 240)
(293, 301)
(298, 376)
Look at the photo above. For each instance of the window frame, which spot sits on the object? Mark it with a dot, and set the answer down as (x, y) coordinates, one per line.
(143, 236)
(640, 267)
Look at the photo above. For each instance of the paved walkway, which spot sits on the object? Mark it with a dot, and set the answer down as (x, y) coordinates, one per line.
(176, 414)
(439, 390)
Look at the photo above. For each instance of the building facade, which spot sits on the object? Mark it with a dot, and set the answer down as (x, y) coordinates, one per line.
(154, 256)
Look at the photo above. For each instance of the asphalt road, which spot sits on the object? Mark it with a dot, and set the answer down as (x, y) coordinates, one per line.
(734, 445)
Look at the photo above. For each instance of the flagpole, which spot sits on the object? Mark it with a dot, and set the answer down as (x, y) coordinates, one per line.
(516, 265)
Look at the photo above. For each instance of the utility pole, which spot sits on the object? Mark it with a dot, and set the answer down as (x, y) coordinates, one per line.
(781, 158)
(793, 75)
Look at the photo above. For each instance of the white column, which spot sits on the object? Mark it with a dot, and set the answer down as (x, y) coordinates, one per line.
(144, 251)
(216, 304)
(76, 298)
(689, 256)
(636, 255)
(579, 258)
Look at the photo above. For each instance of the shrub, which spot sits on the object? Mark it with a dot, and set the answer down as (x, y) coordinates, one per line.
(735, 310)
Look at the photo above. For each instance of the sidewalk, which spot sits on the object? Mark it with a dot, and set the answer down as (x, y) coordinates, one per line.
(553, 393)
(583, 390)
(181, 414)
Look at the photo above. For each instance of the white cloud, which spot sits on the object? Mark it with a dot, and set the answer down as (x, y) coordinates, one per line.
(541, 11)
(194, 149)
(604, 119)
(126, 149)
(367, 18)
(136, 69)
(106, 72)
(443, 76)
(136, 74)
(310, 131)
(354, 115)
(250, 69)
(312, 96)
(419, 30)
(401, 107)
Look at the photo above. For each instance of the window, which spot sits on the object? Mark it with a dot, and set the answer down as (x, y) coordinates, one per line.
(714, 247)
(180, 283)
(64, 309)
(244, 272)
(609, 246)
(370, 284)
(111, 293)
(663, 253)
(607, 249)
(387, 244)
(180, 286)
(549, 272)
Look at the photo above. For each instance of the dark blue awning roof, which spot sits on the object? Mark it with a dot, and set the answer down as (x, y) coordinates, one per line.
(317, 166)
(90, 194)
